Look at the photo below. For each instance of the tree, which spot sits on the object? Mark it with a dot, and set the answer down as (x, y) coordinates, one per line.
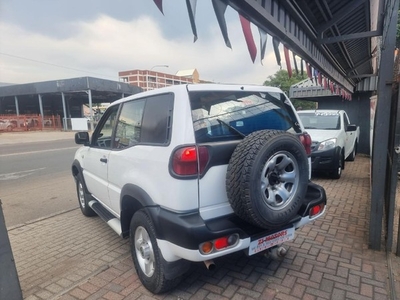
(281, 79)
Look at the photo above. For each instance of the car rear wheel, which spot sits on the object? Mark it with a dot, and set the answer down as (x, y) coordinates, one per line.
(147, 257)
(267, 178)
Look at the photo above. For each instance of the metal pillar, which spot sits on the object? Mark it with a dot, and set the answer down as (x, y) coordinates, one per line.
(64, 112)
(16, 105)
(382, 122)
(90, 109)
(41, 107)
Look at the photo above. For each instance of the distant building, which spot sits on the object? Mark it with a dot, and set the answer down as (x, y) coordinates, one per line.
(150, 80)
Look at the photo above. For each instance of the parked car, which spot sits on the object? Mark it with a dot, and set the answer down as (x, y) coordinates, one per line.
(334, 139)
(6, 125)
(191, 173)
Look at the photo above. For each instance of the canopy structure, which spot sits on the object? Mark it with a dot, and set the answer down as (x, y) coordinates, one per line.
(341, 44)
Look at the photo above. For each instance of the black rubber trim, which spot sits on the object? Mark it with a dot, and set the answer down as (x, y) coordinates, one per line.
(325, 160)
(103, 213)
(188, 230)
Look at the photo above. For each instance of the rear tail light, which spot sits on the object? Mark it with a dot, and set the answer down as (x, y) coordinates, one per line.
(219, 244)
(305, 139)
(190, 160)
(316, 210)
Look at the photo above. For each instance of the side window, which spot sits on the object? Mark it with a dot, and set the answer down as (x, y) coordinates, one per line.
(103, 133)
(157, 119)
(129, 124)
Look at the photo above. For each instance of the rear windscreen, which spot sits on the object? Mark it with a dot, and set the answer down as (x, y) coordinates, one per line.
(227, 115)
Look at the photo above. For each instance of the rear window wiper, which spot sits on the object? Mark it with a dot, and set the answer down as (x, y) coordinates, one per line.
(233, 129)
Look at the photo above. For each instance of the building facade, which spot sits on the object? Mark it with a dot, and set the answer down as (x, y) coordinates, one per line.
(150, 80)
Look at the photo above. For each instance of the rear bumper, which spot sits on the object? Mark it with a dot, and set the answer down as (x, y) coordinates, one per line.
(179, 235)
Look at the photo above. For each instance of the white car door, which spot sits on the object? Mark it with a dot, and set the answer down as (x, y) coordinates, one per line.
(95, 166)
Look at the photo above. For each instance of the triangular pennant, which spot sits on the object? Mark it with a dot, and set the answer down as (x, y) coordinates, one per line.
(219, 9)
(275, 43)
(159, 5)
(309, 74)
(248, 36)
(301, 68)
(263, 43)
(191, 7)
(295, 64)
(287, 59)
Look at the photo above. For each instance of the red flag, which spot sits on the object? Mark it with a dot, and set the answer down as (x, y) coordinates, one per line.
(287, 59)
(248, 36)
(325, 83)
(159, 5)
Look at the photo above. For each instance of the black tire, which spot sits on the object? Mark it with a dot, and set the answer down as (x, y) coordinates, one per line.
(337, 173)
(267, 178)
(353, 154)
(146, 255)
(83, 197)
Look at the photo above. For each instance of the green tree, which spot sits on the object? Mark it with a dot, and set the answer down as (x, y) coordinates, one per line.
(281, 79)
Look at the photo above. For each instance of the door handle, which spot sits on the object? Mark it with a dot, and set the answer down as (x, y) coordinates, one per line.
(103, 160)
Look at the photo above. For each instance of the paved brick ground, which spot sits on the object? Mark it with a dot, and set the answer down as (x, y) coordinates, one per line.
(69, 256)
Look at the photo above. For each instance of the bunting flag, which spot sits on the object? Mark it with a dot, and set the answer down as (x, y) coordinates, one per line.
(159, 5)
(191, 7)
(320, 78)
(308, 67)
(275, 43)
(295, 63)
(287, 59)
(301, 68)
(316, 76)
(263, 43)
(248, 36)
(325, 84)
(219, 9)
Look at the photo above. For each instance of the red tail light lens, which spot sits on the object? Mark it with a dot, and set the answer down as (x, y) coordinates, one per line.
(189, 160)
(305, 139)
(315, 210)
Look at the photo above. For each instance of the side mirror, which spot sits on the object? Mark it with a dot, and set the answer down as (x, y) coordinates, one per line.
(351, 127)
(82, 138)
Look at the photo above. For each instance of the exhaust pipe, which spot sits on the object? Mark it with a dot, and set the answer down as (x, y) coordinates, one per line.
(209, 265)
(276, 253)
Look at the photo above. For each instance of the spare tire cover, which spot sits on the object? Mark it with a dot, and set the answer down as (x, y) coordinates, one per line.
(267, 178)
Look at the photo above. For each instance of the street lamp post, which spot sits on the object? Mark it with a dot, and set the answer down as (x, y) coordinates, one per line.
(147, 75)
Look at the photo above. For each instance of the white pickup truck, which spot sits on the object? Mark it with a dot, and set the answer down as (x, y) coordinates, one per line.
(334, 139)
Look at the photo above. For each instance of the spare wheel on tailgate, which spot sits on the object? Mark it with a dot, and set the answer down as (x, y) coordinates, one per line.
(267, 178)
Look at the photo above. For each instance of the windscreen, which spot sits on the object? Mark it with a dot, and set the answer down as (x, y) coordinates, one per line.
(320, 120)
(227, 115)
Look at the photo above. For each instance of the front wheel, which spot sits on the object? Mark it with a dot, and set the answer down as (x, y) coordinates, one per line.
(146, 255)
(83, 197)
(337, 173)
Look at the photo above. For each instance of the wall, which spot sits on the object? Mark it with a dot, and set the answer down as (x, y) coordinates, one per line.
(358, 110)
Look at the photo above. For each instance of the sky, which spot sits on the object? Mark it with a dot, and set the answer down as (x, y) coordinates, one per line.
(45, 40)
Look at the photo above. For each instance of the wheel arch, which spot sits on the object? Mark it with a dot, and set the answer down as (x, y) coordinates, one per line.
(133, 198)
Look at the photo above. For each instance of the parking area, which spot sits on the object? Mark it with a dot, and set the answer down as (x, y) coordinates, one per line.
(68, 256)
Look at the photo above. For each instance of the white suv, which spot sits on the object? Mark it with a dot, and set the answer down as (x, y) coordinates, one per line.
(194, 172)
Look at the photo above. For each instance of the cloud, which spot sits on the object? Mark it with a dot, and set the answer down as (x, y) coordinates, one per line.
(103, 46)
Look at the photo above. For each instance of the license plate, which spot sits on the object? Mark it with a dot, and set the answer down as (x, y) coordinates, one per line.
(271, 240)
